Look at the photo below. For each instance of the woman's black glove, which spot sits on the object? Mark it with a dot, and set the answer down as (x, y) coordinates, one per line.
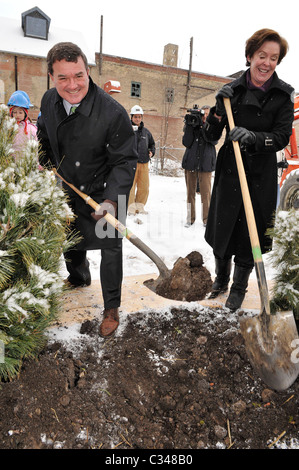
(242, 135)
(225, 92)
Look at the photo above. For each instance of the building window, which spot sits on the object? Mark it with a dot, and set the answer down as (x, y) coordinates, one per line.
(35, 24)
(136, 89)
(35, 27)
(169, 95)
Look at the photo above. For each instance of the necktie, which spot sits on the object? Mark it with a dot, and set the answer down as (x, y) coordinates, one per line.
(73, 109)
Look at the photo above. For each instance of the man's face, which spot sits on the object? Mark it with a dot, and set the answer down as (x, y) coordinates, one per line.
(204, 117)
(71, 80)
(136, 119)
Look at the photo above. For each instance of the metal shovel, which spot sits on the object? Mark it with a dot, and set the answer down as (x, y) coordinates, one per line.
(125, 232)
(270, 339)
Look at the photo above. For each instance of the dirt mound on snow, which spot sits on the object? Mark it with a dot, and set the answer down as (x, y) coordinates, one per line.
(174, 379)
(189, 280)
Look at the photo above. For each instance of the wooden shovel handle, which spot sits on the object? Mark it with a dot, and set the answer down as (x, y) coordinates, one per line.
(122, 229)
(253, 234)
(255, 244)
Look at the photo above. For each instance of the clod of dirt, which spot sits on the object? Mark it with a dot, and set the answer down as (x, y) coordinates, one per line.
(189, 280)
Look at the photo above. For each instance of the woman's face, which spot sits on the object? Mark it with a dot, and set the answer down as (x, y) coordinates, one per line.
(263, 62)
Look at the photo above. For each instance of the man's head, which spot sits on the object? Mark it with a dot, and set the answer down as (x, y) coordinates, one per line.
(136, 115)
(69, 72)
(205, 109)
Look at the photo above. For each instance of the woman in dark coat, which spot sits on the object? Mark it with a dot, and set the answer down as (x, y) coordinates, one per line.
(88, 137)
(263, 113)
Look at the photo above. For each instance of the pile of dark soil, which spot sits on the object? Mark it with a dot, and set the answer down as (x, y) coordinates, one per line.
(189, 280)
(177, 379)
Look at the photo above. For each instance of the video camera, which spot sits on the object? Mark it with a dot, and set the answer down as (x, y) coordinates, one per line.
(195, 117)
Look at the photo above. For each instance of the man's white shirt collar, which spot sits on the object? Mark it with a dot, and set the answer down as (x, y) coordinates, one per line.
(68, 106)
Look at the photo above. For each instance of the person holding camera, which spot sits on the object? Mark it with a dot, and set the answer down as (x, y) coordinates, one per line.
(199, 162)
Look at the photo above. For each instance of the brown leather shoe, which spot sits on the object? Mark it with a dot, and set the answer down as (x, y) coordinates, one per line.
(72, 283)
(110, 322)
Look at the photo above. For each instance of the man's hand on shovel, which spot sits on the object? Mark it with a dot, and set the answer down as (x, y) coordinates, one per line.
(107, 206)
(102, 211)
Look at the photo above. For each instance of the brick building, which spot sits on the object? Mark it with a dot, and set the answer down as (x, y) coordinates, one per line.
(164, 91)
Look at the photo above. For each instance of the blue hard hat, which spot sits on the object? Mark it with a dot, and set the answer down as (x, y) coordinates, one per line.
(21, 99)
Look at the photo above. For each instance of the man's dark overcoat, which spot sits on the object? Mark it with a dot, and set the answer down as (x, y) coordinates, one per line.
(95, 150)
(269, 115)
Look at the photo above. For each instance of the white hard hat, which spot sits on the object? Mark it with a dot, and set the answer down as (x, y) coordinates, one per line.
(136, 110)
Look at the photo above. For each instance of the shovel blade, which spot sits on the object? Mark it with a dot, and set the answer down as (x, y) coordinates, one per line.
(152, 284)
(271, 343)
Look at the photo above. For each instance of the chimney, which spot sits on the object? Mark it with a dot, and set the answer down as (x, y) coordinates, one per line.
(170, 57)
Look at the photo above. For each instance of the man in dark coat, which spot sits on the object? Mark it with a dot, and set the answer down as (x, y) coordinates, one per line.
(263, 112)
(199, 162)
(88, 137)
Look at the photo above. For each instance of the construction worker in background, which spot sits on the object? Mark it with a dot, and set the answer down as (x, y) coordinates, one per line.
(146, 150)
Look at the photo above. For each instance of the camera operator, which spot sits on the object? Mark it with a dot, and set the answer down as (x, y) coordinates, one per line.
(199, 162)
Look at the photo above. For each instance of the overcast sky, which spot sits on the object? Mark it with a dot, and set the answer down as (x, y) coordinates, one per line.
(140, 30)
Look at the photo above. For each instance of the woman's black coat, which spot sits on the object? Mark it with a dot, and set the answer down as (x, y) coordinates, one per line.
(95, 150)
(269, 115)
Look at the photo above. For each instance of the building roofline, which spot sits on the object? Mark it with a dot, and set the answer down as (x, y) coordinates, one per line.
(159, 67)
